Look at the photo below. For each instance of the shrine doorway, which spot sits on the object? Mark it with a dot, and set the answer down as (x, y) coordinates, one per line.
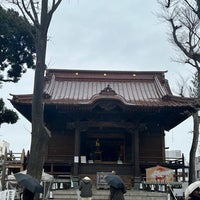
(103, 148)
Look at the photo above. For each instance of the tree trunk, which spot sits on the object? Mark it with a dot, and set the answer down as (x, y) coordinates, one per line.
(40, 137)
(40, 134)
(193, 149)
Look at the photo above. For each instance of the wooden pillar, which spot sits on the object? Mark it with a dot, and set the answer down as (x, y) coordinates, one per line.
(135, 152)
(176, 175)
(163, 144)
(76, 150)
(136, 157)
(51, 170)
(183, 168)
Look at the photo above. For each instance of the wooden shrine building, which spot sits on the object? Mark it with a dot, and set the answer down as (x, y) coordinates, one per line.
(107, 120)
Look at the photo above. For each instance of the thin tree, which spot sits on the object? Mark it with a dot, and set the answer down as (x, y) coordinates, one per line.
(183, 18)
(39, 14)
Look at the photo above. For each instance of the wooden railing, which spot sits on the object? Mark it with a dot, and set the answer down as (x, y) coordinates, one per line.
(160, 160)
(12, 161)
(174, 189)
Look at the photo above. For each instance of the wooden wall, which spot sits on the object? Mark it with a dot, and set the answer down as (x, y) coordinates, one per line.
(151, 147)
(61, 146)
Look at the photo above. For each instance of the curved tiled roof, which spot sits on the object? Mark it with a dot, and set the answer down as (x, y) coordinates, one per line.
(131, 88)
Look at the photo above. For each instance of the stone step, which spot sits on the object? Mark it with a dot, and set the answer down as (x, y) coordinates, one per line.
(104, 195)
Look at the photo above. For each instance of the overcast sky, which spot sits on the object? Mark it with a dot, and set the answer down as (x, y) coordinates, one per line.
(105, 35)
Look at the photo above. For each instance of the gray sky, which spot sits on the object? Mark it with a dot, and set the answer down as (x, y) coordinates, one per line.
(105, 35)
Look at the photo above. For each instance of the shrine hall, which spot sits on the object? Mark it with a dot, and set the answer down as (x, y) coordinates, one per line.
(107, 120)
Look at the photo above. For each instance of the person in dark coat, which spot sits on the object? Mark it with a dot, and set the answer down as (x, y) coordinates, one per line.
(195, 195)
(85, 188)
(27, 195)
(117, 194)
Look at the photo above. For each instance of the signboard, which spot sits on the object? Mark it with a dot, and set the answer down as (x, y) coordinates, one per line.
(159, 174)
(76, 159)
(101, 182)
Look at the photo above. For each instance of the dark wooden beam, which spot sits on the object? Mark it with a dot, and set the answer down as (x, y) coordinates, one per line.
(87, 124)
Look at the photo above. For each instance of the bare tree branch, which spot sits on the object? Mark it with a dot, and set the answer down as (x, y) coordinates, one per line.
(54, 6)
(168, 4)
(185, 21)
(35, 19)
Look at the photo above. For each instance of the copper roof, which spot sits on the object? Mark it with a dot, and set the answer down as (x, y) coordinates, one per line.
(131, 88)
(80, 87)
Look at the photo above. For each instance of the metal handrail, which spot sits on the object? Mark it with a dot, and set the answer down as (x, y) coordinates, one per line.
(171, 191)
